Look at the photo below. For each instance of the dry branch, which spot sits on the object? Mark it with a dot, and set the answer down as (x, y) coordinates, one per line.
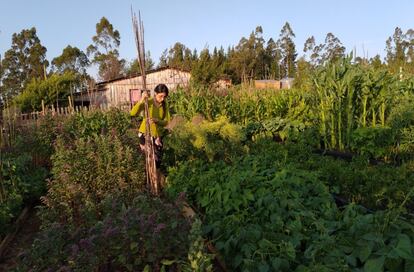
(151, 169)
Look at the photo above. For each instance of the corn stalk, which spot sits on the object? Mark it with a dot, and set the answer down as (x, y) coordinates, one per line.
(150, 166)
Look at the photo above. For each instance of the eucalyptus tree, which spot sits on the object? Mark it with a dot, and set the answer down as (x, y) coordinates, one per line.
(248, 58)
(72, 59)
(395, 49)
(203, 72)
(260, 53)
(272, 60)
(24, 61)
(163, 61)
(104, 50)
(188, 59)
(400, 50)
(331, 50)
(175, 57)
(376, 62)
(133, 67)
(288, 50)
(315, 51)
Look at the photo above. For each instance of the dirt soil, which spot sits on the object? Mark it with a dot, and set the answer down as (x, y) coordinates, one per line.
(22, 241)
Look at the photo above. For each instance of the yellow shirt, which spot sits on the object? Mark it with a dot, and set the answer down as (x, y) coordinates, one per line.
(157, 112)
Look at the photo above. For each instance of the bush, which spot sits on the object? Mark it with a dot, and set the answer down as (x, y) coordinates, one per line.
(20, 184)
(374, 142)
(93, 123)
(87, 171)
(130, 236)
(218, 140)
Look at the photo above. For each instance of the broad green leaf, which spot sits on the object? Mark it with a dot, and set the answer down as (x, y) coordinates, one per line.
(374, 265)
(403, 248)
(237, 260)
(168, 262)
(264, 267)
(364, 253)
(133, 245)
(409, 266)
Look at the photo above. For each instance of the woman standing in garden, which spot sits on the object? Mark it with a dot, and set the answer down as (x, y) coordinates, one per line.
(159, 116)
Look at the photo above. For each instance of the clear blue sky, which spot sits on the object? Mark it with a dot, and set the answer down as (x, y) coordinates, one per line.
(361, 24)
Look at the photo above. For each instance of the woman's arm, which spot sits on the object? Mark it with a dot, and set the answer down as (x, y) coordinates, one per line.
(139, 106)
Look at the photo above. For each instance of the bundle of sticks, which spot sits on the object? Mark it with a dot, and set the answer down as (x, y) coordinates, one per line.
(150, 166)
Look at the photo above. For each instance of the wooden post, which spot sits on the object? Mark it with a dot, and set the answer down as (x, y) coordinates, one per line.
(43, 107)
(70, 104)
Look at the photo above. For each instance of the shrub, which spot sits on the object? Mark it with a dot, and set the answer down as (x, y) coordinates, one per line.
(208, 140)
(89, 170)
(130, 236)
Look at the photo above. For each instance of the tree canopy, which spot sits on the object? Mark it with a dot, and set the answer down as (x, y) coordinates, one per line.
(104, 50)
(24, 61)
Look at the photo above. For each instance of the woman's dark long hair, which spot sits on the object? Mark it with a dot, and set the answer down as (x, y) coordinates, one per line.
(162, 88)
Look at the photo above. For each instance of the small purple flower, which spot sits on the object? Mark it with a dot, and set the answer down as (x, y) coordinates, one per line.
(85, 244)
(110, 232)
(159, 227)
(151, 220)
(75, 250)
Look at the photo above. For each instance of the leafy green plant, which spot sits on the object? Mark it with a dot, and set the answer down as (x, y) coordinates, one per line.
(211, 140)
(145, 233)
(375, 142)
(20, 184)
(273, 211)
(89, 170)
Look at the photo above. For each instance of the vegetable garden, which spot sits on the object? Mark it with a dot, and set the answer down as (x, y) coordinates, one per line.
(253, 164)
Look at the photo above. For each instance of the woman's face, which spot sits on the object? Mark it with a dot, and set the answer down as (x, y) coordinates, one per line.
(159, 97)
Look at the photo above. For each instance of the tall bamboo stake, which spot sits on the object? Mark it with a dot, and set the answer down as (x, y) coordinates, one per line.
(151, 168)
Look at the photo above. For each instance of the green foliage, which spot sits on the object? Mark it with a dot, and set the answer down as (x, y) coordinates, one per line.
(129, 236)
(243, 107)
(288, 51)
(26, 60)
(277, 127)
(351, 96)
(88, 170)
(134, 69)
(209, 140)
(198, 258)
(20, 183)
(401, 120)
(94, 123)
(270, 211)
(104, 50)
(373, 142)
(71, 60)
(53, 90)
(205, 72)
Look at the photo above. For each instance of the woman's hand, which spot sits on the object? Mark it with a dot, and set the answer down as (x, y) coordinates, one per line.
(144, 95)
(158, 141)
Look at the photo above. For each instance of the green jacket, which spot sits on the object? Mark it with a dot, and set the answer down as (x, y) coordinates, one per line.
(158, 113)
